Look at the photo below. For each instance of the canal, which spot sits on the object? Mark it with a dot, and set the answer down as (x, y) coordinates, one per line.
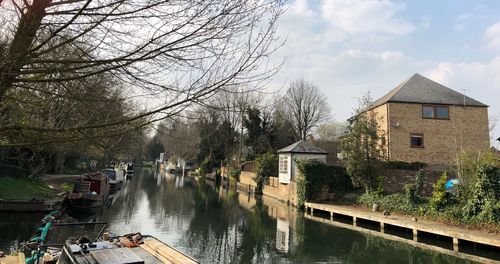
(215, 225)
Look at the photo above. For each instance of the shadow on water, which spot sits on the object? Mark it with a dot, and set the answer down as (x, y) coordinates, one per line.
(217, 225)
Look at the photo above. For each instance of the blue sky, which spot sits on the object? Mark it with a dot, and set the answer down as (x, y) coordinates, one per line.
(349, 48)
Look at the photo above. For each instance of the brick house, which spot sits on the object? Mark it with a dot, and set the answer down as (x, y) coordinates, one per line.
(423, 121)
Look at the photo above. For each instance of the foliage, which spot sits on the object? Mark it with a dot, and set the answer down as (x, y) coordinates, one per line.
(234, 173)
(257, 140)
(380, 184)
(301, 186)
(439, 197)
(392, 202)
(479, 205)
(154, 147)
(402, 165)
(364, 154)
(484, 204)
(267, 165)
(217, 137)
(205, 167)
(413, 191)
(315, 175)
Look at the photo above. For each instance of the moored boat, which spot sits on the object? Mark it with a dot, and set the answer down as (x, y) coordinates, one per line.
(130, 169)
(89, 192)
(131, 248)
(115, 177)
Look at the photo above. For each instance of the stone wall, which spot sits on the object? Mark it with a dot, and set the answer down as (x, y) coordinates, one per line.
(284, 192)
(246, 178)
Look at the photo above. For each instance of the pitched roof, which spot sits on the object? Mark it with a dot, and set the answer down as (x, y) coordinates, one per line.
(418, 89)
(302, 146)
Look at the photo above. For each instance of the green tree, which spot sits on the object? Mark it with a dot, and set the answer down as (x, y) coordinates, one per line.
(154, 148)
(259, 132)
(364, 153)
(267, 166)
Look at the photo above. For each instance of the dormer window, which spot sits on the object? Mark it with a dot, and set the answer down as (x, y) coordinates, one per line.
(435, 112)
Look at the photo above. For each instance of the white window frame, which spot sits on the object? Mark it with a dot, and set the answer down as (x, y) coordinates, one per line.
(283, 164)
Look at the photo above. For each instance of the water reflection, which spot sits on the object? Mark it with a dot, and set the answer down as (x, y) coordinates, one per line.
(217, 225)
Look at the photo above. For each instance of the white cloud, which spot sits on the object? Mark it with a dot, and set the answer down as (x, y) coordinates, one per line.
(300, 8)
(478, 80)
(366, 16)
(492, 35)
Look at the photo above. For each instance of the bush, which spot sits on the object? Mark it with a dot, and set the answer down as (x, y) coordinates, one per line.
(234, 173)
(301, 184)
(266, 166)
(392, 202)
(439, 195)
(205, 167)
(380, 184)
(484, 206)
(413, 191)
(316, 175)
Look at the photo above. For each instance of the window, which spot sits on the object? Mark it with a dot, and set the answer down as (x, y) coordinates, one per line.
(427, 112)
(435, 112)
(283, 164)
(417, 140)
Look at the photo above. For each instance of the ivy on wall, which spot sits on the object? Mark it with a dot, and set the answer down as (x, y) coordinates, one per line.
(314, 175)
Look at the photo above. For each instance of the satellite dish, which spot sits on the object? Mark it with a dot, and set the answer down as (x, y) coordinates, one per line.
(395, 124)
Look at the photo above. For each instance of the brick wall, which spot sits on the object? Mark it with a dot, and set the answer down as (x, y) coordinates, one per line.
(395, 179)
(466, 129)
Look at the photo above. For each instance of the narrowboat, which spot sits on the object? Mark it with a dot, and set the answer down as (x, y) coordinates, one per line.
(131, 248)
(89, 192)
(115, 178)
(130, 169)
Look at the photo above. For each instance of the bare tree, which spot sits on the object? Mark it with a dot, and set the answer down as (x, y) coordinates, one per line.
(306, 106)
(183, 51)
(330, 131)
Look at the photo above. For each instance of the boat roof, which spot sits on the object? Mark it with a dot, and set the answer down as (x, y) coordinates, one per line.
(114, 251)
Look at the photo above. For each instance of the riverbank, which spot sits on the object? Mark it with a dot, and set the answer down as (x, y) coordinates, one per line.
(24, 189)
(26, 195)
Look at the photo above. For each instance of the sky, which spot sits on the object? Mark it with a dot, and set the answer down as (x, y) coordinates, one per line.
(349, 48)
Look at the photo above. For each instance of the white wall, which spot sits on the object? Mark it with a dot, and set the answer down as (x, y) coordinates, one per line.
(285, 177)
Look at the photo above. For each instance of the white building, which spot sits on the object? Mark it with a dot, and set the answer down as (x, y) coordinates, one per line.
(300, 150)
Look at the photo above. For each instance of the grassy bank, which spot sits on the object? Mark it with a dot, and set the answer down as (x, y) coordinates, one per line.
(22, 189)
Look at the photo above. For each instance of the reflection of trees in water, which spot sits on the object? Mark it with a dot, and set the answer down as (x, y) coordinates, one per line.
(17, 226)
(221, 232)
(126, 200)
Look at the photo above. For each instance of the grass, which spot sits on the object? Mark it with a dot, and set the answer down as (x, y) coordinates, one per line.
(23, 189)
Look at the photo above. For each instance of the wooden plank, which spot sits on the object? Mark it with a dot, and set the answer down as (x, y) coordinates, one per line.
(157, 255)
(168, 252)
(19, 259)
(408, 222)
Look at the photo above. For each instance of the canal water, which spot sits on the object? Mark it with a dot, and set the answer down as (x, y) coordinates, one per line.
(215, 225)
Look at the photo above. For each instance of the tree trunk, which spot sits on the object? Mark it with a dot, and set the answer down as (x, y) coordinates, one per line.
(18, 52)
